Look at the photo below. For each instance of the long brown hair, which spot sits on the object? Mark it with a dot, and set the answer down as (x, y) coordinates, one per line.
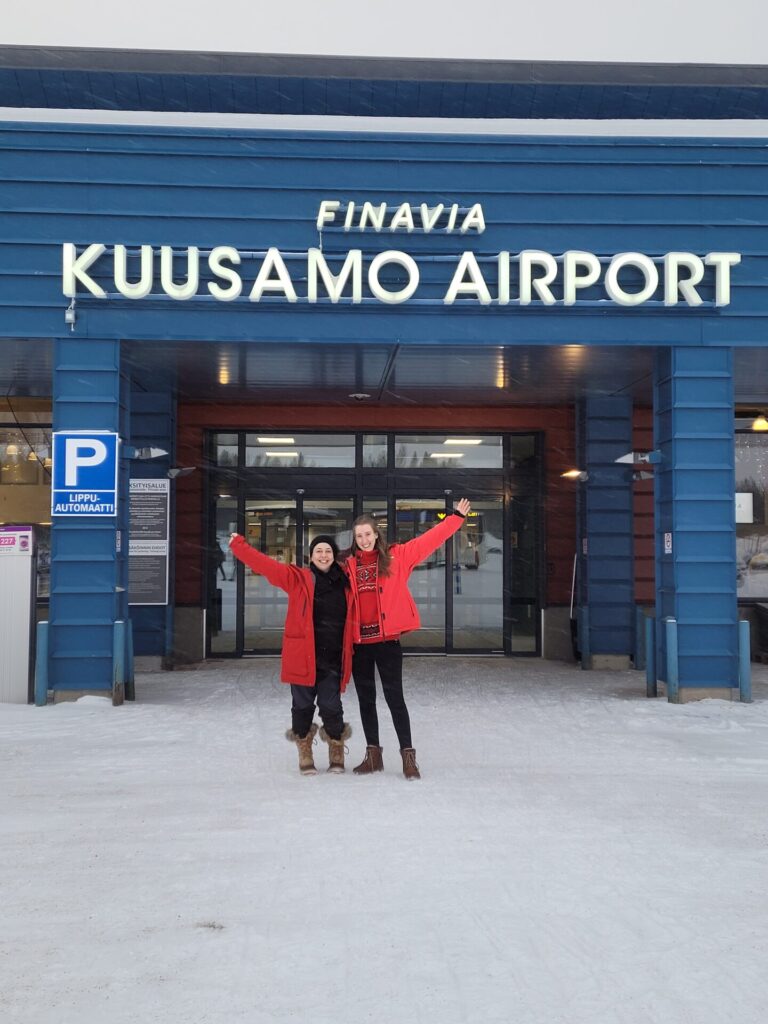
(380, 546)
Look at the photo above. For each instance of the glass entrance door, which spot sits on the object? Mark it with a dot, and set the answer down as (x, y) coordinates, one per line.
(413, 517)
(270, 527)
(222, 579)
(246, 613)
(478, 579)
(459, 588)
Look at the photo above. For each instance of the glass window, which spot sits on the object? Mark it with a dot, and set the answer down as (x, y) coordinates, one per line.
(226, 449)
(523, 623)
(25, 489)
(376, 508)
(522, 450)
(375, 451)
(36, 412)
(448, 451)
(751, 515)
(271, 449)
(332, 518)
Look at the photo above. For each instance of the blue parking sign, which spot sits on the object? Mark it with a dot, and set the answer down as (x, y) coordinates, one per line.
(84, 473)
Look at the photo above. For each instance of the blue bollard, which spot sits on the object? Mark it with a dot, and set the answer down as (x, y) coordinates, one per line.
(41, 665)
(673, 680)
(118, 662)
(130, 688)
(745, 663)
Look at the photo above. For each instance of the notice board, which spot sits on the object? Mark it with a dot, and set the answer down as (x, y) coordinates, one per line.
(148, 542)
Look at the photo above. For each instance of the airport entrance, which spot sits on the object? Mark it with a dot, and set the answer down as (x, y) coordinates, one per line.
(479, 593)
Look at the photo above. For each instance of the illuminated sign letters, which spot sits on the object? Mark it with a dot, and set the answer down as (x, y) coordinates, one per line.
(393, 276)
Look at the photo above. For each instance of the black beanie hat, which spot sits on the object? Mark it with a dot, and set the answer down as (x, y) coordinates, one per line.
(324, 538)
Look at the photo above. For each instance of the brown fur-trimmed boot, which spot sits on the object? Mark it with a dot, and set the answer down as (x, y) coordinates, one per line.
(372, 762)
(304, 746)
(410, 768)
(336, 748)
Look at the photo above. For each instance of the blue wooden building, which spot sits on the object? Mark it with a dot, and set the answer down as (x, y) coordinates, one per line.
(311, 315)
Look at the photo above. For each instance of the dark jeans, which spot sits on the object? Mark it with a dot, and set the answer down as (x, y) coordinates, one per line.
(327, 692)
(387, 657)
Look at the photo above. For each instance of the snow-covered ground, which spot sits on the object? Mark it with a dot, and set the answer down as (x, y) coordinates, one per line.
(574, 853)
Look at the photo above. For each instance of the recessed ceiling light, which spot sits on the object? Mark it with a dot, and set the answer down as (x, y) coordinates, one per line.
(282, 455)
(275, 440)
(446, 455)
(463, 440)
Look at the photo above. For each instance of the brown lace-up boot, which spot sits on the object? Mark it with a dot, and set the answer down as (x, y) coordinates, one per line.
(372, 762)
(336, 748)
(410, 768)
(304, 745)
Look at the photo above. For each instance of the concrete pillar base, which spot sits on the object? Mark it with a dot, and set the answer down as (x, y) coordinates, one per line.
(556, 635)
(189, 635)
(608, 662)
(686, 694)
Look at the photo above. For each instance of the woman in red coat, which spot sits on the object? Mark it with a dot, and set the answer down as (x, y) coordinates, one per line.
(384, 609)
(317, 643)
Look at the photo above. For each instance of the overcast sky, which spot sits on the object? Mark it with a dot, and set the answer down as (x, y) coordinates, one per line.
(680, 31)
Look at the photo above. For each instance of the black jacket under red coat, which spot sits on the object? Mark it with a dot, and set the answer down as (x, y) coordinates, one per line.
(298, 663)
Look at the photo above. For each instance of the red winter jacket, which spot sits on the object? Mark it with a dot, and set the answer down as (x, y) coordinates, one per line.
(398, 609)
(298, 655)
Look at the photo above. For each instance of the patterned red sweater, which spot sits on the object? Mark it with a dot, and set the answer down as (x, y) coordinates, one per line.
(367, 579)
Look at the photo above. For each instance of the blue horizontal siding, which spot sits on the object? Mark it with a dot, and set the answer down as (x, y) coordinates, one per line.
(251, 189)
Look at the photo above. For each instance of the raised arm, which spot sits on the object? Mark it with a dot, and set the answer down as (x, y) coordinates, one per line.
(277, 573)
(416, 550)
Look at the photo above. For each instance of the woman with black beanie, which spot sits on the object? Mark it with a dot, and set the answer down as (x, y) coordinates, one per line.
(317, 643)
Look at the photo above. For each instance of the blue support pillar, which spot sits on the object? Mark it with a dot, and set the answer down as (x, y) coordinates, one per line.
(605, 529)
(695, 519)
(89, 577)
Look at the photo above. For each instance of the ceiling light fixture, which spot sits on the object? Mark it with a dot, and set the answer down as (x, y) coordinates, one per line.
(446, 455)
(463, 440)
(275, 440)
(282, 455)
(760, 422)
(575, 474)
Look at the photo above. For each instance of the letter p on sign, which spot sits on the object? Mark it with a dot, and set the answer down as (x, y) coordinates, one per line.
(80, 452)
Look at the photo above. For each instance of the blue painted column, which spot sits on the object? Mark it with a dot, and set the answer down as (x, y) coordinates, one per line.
(153, 425)
(89, 567)
(695, 519)
(605, 531)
